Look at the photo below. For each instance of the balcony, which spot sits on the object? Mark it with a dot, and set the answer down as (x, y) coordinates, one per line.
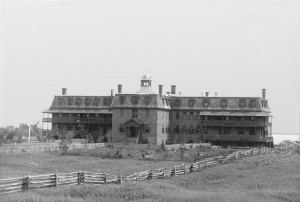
(47, 119)
(234, 123)
(100, 120)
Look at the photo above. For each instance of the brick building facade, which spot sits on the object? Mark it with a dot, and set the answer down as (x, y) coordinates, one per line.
(146, 116)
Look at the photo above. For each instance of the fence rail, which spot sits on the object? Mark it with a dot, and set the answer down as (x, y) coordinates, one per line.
(13, 150)
(56, 179)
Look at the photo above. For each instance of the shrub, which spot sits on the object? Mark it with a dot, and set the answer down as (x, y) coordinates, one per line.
(65, 141)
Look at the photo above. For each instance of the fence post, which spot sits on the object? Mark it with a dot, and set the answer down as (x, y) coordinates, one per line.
(79, 177)
(120, 179)
(25, 183)
(56, 179)
(191, 167)
(136, 176)
(104, 178)
(150, 174)
(83, 177)
(163, 174)
(183, 165)
(28, 182)
(174, 171)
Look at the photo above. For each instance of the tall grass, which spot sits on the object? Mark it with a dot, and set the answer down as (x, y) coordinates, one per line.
(257, 178)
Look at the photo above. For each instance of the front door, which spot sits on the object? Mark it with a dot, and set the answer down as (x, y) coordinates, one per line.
(132, 131)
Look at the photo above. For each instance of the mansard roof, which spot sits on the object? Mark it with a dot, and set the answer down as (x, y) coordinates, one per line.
(141, 101)
(220, 103)
(81, 102)
(78, 111)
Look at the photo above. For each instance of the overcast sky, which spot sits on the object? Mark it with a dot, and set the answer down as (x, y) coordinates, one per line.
(232, 47)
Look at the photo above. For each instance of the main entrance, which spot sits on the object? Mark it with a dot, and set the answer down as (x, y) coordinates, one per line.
(132, 130)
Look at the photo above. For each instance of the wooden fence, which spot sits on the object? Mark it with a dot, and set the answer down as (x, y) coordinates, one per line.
(29, 182)
(13, 150)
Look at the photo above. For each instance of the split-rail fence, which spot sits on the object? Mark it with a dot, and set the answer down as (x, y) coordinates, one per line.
(31, 182)
(47, 148)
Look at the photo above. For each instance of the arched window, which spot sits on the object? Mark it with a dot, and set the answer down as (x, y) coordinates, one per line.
(224, 103)
(205, 102)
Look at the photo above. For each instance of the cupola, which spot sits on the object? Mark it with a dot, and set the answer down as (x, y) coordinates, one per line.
(145, 87)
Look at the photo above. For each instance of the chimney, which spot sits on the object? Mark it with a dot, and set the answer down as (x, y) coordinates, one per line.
(206, 94)
(173, 89)
(160, 87)
(119, 88)
(111, 92)
(264, 93)
(64, 91)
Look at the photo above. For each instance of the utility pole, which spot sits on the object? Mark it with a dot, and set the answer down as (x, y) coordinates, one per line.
(29, 134)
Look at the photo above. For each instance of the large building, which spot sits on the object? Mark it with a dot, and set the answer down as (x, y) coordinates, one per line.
(148, 117)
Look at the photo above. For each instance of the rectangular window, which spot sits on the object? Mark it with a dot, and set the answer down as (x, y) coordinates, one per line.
(177, 129)
(184, 130)
(60, 115)
(227, 131)
(227, 118)
(191, 115)
(184, 115)
(191, 130)
(163, 130)
(177, 115)
(147, 113)
(252, 118)
(219, 130)
(252, 131)
(122, 128)
(219, 118)
(96, 115)
(87, 115)
(204, 129)
(147, 129)
(70, 115)
(134, 113)
(198, 129)
(241, 131)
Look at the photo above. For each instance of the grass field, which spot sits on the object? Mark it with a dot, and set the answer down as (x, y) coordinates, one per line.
(271, 177)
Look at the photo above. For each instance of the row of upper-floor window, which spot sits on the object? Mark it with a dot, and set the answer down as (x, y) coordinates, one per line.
(136, 113)
(192, 115)
(215, 129)
(235, 118)
(146, 128)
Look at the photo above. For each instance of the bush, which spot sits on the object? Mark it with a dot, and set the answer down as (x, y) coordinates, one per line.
(66, 141)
